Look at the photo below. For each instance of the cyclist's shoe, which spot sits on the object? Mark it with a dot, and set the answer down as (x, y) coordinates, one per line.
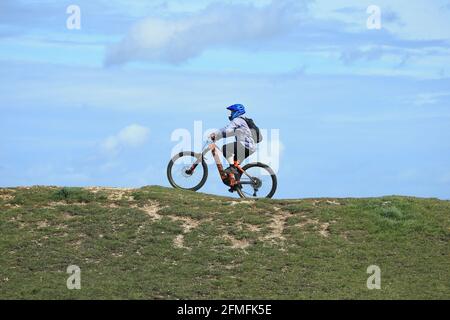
(235, 188)
(232, 171)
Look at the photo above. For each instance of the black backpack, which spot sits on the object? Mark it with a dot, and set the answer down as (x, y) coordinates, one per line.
(256, 133)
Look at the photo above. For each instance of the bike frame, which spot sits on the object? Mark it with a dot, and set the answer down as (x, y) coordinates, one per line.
(223, 175)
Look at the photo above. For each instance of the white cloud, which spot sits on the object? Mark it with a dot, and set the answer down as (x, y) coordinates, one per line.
(131, 136)
(419, 19)
(177, 39)
(429, 98)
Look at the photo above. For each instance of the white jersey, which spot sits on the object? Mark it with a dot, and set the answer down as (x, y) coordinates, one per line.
(239, 128)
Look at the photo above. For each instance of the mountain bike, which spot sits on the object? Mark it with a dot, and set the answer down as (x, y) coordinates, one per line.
(188, 171)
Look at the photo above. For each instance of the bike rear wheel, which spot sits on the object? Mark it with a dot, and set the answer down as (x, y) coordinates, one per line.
(263, 185)
(181, 177)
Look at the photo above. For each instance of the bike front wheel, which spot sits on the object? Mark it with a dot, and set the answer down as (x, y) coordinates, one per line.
(184, 174)
(262, 184)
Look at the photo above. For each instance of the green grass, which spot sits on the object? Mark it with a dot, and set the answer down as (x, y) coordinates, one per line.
(159, 243)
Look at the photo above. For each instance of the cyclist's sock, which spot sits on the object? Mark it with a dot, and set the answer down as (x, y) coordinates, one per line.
(231, 160)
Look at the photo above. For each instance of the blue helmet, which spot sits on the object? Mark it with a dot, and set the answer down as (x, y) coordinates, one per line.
(236, 111)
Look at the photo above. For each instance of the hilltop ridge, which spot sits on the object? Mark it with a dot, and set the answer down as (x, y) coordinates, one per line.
(160, 243)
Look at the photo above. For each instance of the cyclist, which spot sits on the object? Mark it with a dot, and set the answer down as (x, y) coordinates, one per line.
(243, 147)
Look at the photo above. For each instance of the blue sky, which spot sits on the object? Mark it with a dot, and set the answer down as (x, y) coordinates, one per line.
(360, 112)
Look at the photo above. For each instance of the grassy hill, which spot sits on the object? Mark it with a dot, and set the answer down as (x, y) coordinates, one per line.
(158, 243)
